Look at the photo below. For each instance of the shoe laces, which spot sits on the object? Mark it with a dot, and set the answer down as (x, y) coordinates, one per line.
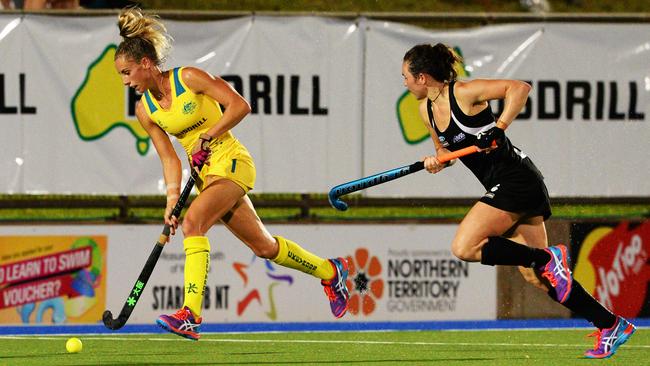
(549, 276)
(598, 333)
(331, 295)
(181, 314)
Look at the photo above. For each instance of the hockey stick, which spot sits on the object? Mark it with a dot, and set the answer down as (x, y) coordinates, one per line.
(135, 293)
(387, 176)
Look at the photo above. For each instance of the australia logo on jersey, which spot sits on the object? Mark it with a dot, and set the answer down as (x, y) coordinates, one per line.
(189, 107)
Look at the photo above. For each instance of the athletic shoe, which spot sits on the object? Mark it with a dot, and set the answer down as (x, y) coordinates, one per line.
(335, 289)
(557, 272)
(608, 340)
(181, 323)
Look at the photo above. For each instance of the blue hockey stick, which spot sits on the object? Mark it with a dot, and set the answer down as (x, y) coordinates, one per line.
(387, 176)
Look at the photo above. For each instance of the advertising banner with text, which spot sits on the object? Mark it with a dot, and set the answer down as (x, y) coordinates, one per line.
(397, 273)
(52, 279)
(612, 262)
(328, 103)
(71, 125)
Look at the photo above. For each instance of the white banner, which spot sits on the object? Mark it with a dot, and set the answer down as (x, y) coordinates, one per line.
(398, 273)
(12, 102)
(328, 103)
(584, 126)
(79, 133)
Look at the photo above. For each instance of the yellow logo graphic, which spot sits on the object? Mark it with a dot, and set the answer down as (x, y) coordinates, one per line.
(99, 104)
(408, 114)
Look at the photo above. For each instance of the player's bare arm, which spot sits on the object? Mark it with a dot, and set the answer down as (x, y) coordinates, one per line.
(477, 93)
(236, 107)
(171, 164)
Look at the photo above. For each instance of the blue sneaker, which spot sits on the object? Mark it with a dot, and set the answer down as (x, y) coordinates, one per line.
(557, 272)
(608, 340)
(181, 323)
(336, 289)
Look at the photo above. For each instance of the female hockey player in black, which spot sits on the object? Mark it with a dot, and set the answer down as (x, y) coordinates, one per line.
(506, 225)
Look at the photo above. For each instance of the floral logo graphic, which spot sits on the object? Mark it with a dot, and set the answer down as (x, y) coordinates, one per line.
(365, 282)
(254, 294)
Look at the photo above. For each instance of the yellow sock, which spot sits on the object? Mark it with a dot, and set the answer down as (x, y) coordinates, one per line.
(293, 256)
(197, 263)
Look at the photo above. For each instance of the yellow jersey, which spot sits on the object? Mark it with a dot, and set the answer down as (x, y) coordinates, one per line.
(190, 115)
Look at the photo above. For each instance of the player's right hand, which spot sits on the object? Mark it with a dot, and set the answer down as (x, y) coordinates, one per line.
(170, 220)
(432, 165)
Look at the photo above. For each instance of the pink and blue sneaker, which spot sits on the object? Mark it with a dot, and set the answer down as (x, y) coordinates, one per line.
(608, 340)
(336, 289)
(181, 323)
(557, 272)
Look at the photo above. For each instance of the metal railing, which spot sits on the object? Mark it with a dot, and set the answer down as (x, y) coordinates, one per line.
(305, 203)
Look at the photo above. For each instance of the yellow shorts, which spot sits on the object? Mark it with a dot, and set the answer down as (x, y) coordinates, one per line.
(230, 160)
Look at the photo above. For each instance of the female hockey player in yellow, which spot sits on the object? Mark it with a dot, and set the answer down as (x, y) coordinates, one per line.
(186, 102)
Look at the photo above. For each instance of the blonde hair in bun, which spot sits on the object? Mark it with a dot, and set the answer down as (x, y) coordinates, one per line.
(142, 36)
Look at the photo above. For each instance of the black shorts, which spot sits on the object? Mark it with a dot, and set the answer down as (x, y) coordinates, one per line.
(523, 192)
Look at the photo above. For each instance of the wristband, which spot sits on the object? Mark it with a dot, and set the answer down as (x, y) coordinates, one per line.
(172, 185)
(503, 124)
(205, 137)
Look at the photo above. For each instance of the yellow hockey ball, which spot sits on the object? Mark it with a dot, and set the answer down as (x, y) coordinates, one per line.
(73, 345)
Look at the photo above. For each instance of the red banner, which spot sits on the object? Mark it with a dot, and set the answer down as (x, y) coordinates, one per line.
(618, 267)
(37, 291)
(44, 266)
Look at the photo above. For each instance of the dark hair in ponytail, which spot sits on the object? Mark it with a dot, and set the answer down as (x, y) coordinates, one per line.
(437, 61)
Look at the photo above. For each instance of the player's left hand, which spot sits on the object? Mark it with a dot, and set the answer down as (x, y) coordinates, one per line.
(486, 139)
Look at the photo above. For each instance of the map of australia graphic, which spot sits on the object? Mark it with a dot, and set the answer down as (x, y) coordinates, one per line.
(99, 105)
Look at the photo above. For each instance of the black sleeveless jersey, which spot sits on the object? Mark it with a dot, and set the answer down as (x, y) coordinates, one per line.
(505, 163)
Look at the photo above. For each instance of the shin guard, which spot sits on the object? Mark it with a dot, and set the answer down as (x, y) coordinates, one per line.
(197, 264)
(292, 255)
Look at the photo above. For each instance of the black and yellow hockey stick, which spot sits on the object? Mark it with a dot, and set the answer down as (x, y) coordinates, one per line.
(135, 293)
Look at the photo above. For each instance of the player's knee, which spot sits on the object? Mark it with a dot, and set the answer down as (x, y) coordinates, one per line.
(192, 227)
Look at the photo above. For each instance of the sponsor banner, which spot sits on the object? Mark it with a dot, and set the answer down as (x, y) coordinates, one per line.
(397, 273)
(329, 87)
(301, 75)
(12, 101)
(51, 279)
(612, 262)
